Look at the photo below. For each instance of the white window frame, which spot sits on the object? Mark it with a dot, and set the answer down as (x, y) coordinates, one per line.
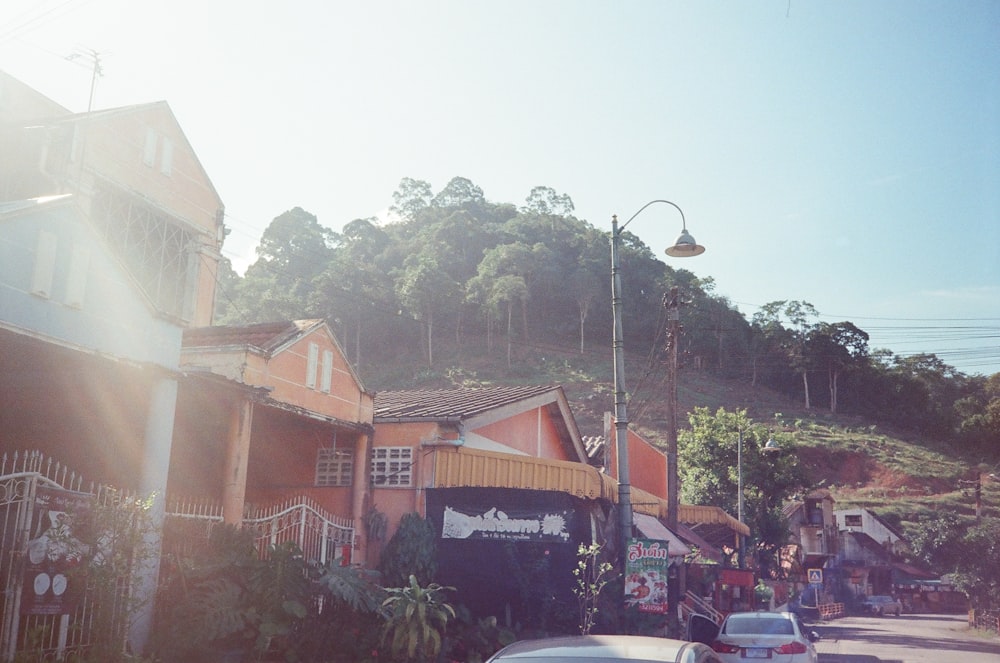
(149, 149)
(167, 156)
(312, 363)
(45, 264)
(392, 467)
(326, 379)
(334, 467)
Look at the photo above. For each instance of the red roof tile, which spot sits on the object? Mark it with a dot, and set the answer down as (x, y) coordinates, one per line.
(437, 404)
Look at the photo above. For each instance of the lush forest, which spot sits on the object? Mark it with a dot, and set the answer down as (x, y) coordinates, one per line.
(455, 276)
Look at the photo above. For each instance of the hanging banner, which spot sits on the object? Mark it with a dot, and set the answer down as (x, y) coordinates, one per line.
(646, 566)
(506, 525)
(54, 576)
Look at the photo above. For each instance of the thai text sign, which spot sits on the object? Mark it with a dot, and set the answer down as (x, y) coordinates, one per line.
(506, 525)
(646, 566)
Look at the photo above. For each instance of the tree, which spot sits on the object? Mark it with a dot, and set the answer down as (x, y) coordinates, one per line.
(461, 193)
(709, 475)
(506, 291)
(792, 338)
(837, 346)
(970, 555)
(293, 251)
(412, 551)
(411, 198)
(505, 260)
(426, 289)
(545, 200)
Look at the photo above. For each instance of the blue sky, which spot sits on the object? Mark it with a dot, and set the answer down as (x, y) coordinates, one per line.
(844, 153)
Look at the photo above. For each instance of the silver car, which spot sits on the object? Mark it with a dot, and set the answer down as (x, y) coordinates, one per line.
(605, 649)
(883, 605)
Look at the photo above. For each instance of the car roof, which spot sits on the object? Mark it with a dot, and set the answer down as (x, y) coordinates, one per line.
(614, 647)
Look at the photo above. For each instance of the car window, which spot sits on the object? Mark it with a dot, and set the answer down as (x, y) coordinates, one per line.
(759, 625)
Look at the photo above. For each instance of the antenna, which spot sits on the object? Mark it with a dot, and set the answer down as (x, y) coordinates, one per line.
(93, 58)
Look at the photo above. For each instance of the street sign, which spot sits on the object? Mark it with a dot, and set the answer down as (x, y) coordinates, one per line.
(815, 576)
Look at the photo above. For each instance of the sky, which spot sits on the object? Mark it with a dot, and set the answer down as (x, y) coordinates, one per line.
(843, 153)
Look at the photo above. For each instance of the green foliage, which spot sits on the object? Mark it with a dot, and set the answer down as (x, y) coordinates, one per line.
(231, 599)
(115, 540)
(346, 629)
(970, 555)
(591, 575)
(415, 620)
(412, 551)
(474, 640)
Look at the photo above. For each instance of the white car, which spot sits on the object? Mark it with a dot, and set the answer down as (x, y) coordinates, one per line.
(605, 649)
(776, 637)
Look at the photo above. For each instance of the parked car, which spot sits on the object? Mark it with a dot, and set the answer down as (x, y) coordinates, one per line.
(882, 605)
(776, 637)
(605, 649)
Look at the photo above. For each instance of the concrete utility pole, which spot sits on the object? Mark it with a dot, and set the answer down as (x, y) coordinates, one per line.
(673, 488)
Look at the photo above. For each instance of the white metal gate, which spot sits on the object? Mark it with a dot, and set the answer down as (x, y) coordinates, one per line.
(49, 636)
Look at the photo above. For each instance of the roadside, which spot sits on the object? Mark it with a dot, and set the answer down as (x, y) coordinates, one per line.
(921, 638)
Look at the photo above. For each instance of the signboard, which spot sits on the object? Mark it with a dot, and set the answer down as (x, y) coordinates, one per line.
(646, 566)
(506, 525)
(815, 576)
(54, 577)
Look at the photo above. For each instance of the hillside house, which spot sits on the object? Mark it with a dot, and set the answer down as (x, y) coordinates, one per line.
(269, 413)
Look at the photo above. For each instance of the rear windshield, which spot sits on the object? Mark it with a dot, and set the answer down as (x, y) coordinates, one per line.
(760, 625)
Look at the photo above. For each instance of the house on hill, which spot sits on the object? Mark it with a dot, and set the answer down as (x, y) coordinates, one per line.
(273, 413)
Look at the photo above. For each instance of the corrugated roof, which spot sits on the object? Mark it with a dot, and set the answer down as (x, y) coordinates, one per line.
(449, 404)
(265, 336)
(461, 467)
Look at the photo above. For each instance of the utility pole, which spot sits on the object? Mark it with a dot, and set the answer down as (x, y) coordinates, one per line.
(673, 488)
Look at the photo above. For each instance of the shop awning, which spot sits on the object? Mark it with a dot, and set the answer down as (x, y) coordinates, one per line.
(651, 528)
(461, 467)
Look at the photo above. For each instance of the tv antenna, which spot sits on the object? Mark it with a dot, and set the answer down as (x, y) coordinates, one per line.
(93, 61)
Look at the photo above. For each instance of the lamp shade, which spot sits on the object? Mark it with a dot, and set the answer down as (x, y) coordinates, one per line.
(685, 246)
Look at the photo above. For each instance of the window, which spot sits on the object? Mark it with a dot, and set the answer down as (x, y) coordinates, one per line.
(149, 149)
(326, 380)
(392, 466)
(76, 284)
(167, 157)
(852, 520)
(334, 467)
(311, 365)
(45, 264)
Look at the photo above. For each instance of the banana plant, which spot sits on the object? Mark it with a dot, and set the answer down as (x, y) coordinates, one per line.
(416, 620)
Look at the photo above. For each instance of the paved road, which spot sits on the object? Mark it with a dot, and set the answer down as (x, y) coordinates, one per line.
(906, 639)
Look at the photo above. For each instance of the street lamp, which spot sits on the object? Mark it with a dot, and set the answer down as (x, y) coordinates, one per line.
(685, 246)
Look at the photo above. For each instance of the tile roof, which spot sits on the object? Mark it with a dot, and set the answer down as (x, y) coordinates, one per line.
(437, 404)
(265, 336)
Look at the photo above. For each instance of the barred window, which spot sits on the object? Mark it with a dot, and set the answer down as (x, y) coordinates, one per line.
(334, 467)
(392, 466)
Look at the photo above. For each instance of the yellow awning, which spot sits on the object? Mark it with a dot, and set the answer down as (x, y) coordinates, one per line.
(459, 467)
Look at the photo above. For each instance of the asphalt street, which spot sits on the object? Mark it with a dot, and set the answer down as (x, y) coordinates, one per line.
(905, 639)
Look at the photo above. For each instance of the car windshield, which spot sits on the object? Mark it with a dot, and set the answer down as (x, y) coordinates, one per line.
(881, 599)
(759, 625)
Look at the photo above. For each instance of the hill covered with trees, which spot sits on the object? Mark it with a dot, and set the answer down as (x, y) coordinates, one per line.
(457, 280)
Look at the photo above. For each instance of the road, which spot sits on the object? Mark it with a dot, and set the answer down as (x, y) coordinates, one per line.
(906, 639)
